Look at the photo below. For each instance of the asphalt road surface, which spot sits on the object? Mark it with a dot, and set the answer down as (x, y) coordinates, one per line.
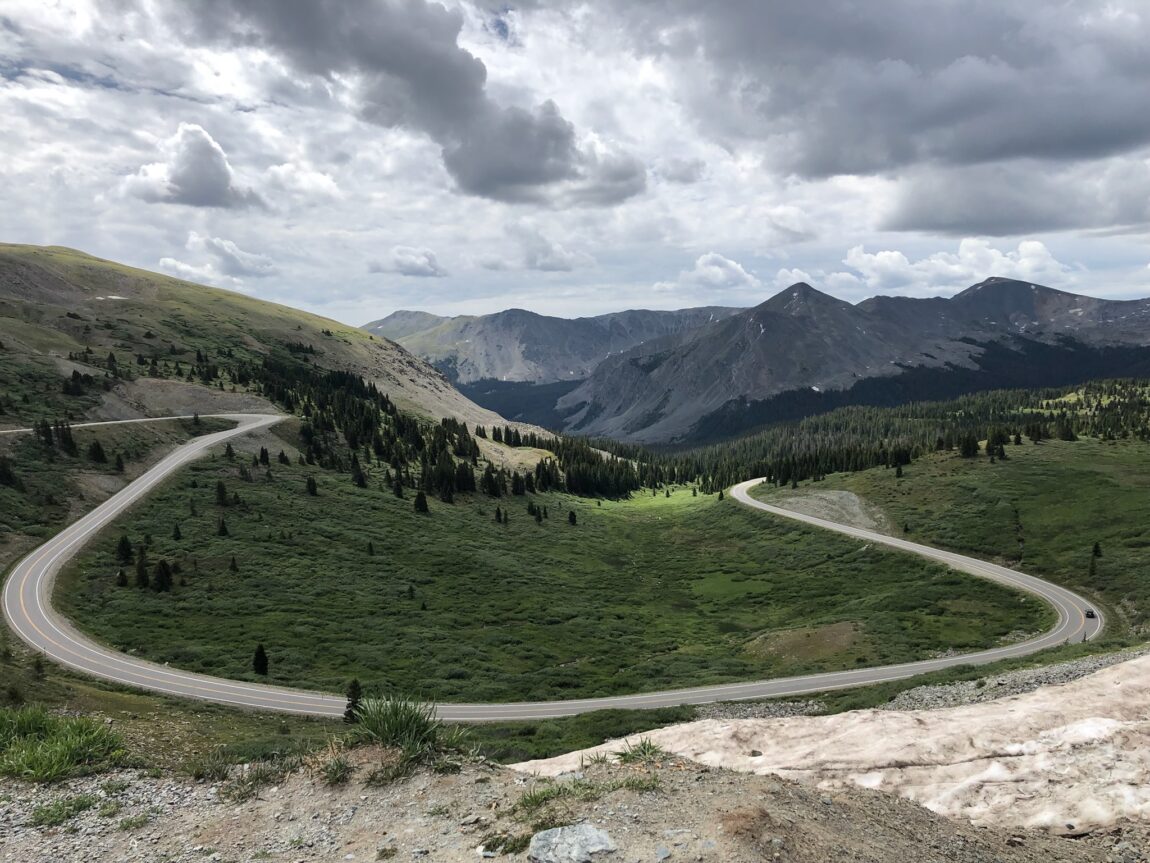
(28, 609)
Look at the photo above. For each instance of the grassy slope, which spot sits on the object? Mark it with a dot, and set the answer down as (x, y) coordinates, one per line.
(640, 595)
(1059, 497)
(55, 300)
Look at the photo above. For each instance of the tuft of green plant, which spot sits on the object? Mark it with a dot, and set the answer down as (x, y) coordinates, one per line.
(58, 811)
(386, 853)
(115, 786)
(643, 752)
(253, 778)
(38, 746)
(110, 808)
(505, 843)
(538, 796)
(336, 770)
(404, 723)
(134, 822)
(212, 766)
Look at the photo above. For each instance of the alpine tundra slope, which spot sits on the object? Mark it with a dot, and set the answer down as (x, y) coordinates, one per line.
(28, 610)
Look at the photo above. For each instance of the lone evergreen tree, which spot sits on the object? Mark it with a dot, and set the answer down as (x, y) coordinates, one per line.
(420, 502)
(96, 453)
(260, 661)
(142, 579)
(177, 535)
(498, 515)
(124, 551)
(312, 488)
(222, 527)
(229, 453)
(221, 493)
(571, 517)
(233, 566)
(1097, 550)
(119, 463)
(121, 578)
(162, 577)
(720, 494)
(354, 696)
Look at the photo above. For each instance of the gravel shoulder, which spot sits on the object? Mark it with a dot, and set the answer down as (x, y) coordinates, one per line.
(696, 813)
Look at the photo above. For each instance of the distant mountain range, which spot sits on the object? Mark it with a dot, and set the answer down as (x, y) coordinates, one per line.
(517, 345)
(699, 374)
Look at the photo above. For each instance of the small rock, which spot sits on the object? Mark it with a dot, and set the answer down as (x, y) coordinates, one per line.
(576, 844)
(662, 853)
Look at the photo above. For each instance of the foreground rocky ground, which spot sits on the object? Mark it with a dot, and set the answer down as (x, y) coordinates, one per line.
(664, 810)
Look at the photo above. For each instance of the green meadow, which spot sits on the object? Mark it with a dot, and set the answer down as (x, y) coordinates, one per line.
(658, 591)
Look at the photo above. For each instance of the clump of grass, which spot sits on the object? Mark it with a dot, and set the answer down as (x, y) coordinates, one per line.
(643, 752)
(64, 809)
(403, 723)
(336, 770)
(505, 843)
(115, 786)
(538, 796)
(212, 766)
(134, 822)
(110, 808)
(253, 778)
(41, 747)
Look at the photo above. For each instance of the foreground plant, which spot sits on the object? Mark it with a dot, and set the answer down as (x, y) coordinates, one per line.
(41, 747)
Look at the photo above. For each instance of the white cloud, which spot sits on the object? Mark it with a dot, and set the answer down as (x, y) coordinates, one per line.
(540, 253)
(712, 271)
(230, 258)
(194, 171)
(409, 261)
(942, 272)
(304, 181)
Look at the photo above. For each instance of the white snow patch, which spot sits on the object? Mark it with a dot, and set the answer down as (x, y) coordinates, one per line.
(1072, 754)
(111, 297)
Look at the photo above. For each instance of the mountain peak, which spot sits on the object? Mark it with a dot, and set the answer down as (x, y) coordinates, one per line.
(800, 298)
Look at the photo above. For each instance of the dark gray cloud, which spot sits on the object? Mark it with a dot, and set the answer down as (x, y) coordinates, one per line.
(406, 69)
(842, 87)
(1022, 197)
(195, 171)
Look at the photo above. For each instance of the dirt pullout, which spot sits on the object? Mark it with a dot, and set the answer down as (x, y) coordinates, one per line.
(845, 507)
(689, 812)
(1062, 758)
(156, 397)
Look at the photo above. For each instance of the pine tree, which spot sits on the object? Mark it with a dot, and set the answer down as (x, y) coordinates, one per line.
(498, 515)
(720, 494)
(119, 463)
(121, 578)
(221, 493)
(176, 534)
(233, 566)
(354, 696)
(370, 548)
(96, 453)
(260, 661)
(571, 517)
(141, 568)
(312, 488)
(229, 453)
(124, 551)
(222, 527)
(1097, 552)
(162, 577)
(420, 502)
(265, 459)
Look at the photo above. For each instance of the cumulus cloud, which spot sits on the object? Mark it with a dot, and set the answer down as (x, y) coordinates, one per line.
(402, 66)
(194, 170)
(304, 181)
(713, 273)
(230, 258)
(540, 253)
(409, 261)
(222, 262)
(943, 272)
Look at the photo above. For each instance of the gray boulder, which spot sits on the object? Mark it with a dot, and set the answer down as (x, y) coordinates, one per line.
(580, 843)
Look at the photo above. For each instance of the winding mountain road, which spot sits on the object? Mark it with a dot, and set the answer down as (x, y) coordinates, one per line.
(28, 610)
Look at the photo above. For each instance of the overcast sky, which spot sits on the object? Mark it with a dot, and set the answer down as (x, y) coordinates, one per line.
(354, 157)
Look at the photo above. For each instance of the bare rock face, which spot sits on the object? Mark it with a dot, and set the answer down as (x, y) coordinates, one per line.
(580, 843)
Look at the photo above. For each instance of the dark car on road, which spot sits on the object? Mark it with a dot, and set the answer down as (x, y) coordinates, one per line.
(1090, 612)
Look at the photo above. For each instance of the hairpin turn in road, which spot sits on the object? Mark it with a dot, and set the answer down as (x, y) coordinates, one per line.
(28, 610)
